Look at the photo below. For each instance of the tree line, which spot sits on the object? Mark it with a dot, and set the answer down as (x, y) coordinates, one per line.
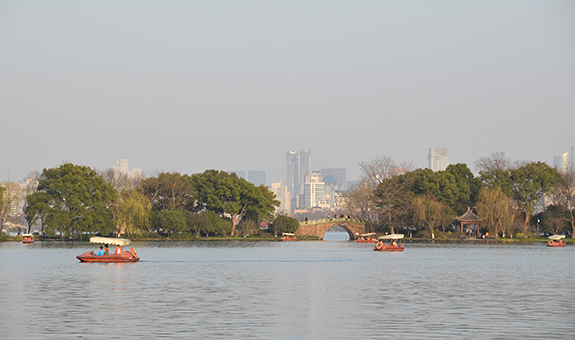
(512, 198)
(75, 201)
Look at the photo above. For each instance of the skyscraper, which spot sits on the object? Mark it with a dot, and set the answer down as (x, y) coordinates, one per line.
(437, 160)
(565, 161)
(292, 172)
(305, 166)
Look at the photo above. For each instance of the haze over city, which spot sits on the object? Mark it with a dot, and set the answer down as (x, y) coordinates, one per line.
(232, 85)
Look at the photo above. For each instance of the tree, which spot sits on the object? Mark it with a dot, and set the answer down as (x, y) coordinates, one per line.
(171, 221)
(284, 224)
(362, 199)
(78, 200)
(37, 207)
(227, 194)
(529, 183)
(5, 204)
(441, 184)
(429, 211)
(131, 212)
(555, 219)
(169, 191)
(469, 186)
(497, 211)
(393, 196)
(494, 171)
(563, 195)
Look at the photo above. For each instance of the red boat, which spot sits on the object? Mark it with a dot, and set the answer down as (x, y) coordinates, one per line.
(393, 246)
(118, 256)
(27, 238)
(367, 238)
(555, 241)
(288, 237)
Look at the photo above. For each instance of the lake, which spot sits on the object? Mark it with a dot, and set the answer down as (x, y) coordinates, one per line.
(289, 290)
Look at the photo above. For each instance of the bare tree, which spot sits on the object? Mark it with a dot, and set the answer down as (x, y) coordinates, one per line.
(493, 162)
(382, 168)
(563, 194)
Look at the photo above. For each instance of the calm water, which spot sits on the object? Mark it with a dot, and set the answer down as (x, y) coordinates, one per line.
(291, 290)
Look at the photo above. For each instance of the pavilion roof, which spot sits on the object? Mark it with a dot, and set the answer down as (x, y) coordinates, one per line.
(469, 216)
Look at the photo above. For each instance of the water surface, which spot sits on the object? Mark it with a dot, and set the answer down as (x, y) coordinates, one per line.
(289, 290)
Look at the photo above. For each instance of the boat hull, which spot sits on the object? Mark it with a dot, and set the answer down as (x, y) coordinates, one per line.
(285, 238)
(389, 247)
(556, 244)
(112, 258)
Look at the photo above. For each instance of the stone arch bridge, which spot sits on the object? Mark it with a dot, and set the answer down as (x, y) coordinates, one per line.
(319, 227)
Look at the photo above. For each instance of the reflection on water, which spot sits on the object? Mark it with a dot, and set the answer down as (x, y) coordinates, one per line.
(288, 290)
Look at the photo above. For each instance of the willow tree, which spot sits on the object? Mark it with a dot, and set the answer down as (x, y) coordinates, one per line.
(563, 195)
(496, 209)
(132, 212)
(429, 211)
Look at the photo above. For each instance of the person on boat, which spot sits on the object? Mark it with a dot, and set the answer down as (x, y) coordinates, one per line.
(106, 250)
(101, 252)
(118, 250)
(394, 243)
(379, 245)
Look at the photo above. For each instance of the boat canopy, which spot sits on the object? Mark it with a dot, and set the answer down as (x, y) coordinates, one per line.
(110, 240)
(287, 234)
(556, 237)
(27, 235)
(366, 235)
(391, 237)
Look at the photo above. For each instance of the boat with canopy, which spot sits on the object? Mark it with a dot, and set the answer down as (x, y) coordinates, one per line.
(118, 256)
(393, 246)
(27, 238)
(367, 238)
(288, 237)
(556, 241)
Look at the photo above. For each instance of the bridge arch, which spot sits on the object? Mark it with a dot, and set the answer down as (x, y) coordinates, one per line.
(318, 228)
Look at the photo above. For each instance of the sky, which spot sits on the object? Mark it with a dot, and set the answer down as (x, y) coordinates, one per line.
(186, 86)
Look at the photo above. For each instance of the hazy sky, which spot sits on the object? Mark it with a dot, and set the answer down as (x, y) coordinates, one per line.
(232, 85)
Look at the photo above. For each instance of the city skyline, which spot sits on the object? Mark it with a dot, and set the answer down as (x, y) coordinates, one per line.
(192, 86)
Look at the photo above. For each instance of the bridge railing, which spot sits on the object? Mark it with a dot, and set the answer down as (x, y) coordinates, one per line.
(336, 219)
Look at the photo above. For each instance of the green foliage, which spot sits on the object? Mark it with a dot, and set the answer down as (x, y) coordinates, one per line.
(132, 212)
(441, 184)
(78, 200)
(468, 185)
(227, 194)
(171, 221)
(169, 191)
(530, 183)
(284, 224)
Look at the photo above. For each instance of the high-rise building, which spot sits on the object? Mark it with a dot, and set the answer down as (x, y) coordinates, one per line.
(282, 195)
(314, 189)
(292, 172)
(565, 161)
(305, 166)
(123, 168)
(339, 175)
(437, 160)
(257, 177)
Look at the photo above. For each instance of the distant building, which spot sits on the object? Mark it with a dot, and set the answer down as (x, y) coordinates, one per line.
(292, 164)
(314, 190)
(257, 177)
(124, 169)
(339, 175)
(240, 174)
(283, 195)
(437, 160)
(565, 161)
(304, 165)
